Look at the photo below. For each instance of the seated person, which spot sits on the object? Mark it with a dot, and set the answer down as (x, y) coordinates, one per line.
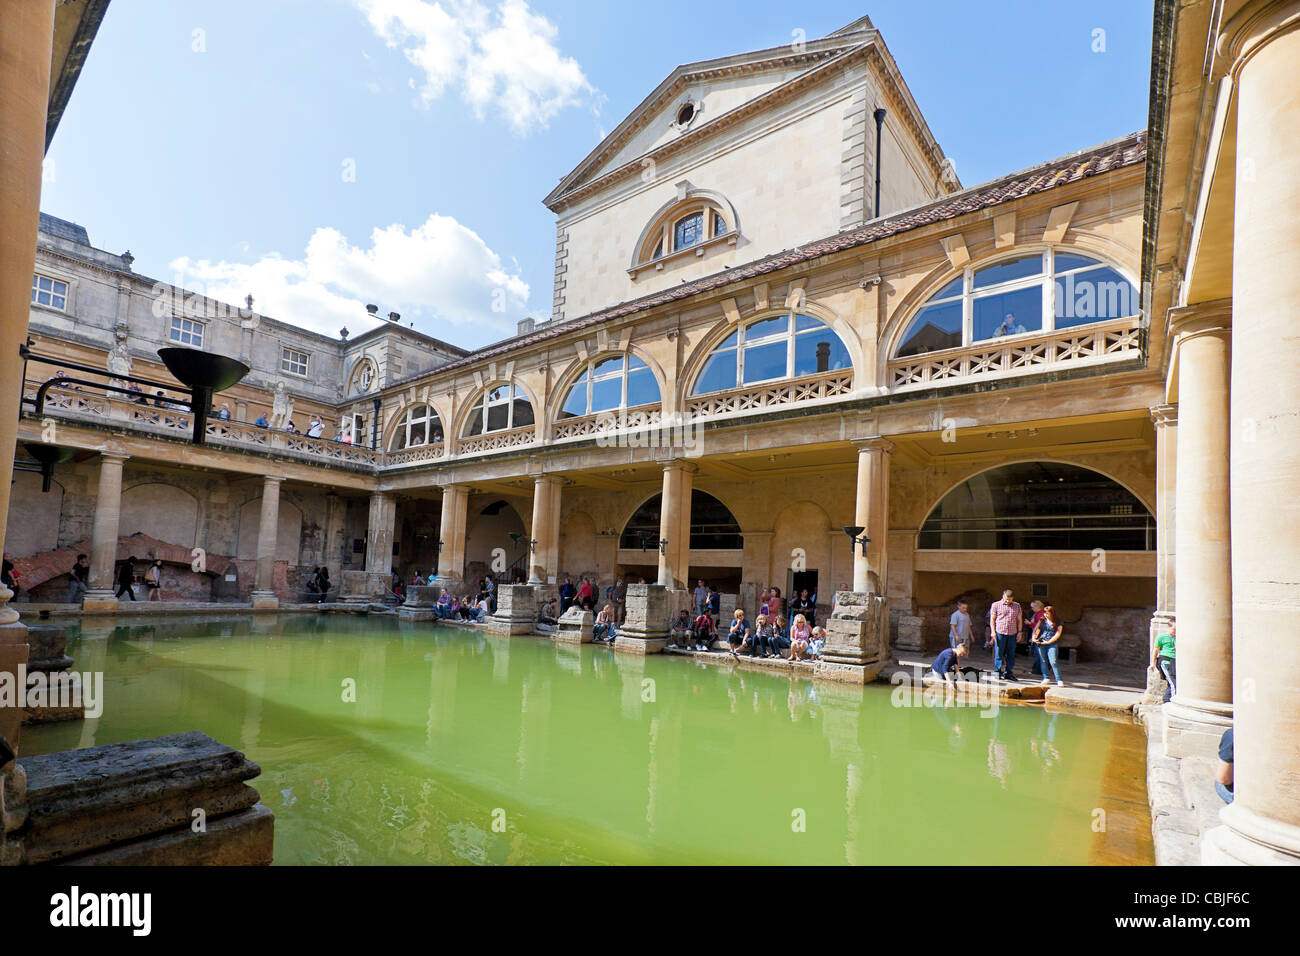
(781, 631)
(764, 642)
(546, 613)
(602, 632)
(740, 633)
(948, 662)
(680, 630)
(703, 631)
(443, 608)
(816, 643)
(800, 637)
(1223, 772)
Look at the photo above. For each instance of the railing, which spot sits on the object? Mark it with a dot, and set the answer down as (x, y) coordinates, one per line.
(498, 441)
(827, 385)
(76, 405)
(1105, 342)
(604, 423)
(416, 453)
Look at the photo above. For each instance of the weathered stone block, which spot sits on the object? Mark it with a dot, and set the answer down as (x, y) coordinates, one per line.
(855, 633)
(645, 629)
(575, 627)
(516, 611)
(82, 802)
(909, 633)
(356, 587)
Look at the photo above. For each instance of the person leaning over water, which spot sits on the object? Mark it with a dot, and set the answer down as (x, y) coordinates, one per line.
(1162, 658)
(949, 661)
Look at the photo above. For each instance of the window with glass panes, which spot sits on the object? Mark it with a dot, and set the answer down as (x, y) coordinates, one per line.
(293, 361)
(499, 409)
(419, 426)
(47, 291)
(1031, 292)
(186, 332)
(622, 381)
(782, 346)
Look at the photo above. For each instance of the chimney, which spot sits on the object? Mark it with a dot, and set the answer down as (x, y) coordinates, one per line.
(527, 325)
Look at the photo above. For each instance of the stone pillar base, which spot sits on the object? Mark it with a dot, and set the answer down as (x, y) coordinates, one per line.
(516, 610)
(1194, 731)
(99, 602)
(575, 627)
(856, 632)
(1247, 839)
(639, 646)
(847, 673)
(421, 603)
(265, 601)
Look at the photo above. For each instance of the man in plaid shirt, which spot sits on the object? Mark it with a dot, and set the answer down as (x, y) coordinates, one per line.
(1005, 622)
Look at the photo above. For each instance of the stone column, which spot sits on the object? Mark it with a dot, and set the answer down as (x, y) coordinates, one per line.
(25, 52)
(379, 543)
(103, 536)
(451, 558)
(871, 511)
(1202, 707)
(1165, 418)
(675, 524)
(1263, 823)
(546, 530)
(267, 526)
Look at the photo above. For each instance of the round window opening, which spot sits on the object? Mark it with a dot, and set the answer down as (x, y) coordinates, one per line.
(685, 114)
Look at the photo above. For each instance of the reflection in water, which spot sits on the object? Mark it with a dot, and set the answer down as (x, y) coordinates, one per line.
(464, 748)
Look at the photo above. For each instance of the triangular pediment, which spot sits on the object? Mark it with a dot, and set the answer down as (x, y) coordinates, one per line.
(696, 94)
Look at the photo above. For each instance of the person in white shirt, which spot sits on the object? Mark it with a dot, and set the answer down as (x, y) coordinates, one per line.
(959, 626)
(316, 429)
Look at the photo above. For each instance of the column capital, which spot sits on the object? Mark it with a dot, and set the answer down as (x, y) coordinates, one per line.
(1162, 415)
(874, 443)
(268, 479)
(1248, 31)
(1213, 318)
(116, 458)
(680, 464)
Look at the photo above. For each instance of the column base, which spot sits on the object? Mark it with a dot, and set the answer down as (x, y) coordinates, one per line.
(639, 646)
(265, 601)
(99, 602)
(1247, 839)
(1193, 728)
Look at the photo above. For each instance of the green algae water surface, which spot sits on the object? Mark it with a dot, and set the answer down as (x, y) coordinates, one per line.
(383, 742)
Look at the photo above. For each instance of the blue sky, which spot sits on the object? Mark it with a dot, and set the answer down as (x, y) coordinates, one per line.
(321, 154)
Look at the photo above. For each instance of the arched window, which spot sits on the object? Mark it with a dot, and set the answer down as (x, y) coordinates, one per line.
(1027, 293)
(781, 346)
(713, 526)
(683, 226)
(1039, 506)
(622, 381)
(419, 425)
(499, 409)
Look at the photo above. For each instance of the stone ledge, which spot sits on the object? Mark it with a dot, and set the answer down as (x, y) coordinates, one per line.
(83, 801)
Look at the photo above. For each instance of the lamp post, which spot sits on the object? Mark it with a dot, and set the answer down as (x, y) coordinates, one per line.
(663, 546)
(374, 427)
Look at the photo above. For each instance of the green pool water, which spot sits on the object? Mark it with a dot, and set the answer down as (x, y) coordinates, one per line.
(466, 748)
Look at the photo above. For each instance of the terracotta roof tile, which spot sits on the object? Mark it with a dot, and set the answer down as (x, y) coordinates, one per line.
(1119, 153)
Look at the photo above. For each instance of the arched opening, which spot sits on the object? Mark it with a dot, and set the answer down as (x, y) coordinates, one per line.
(1060, 533)
(499, 408)
(790, 345)
(419, 425)
(496, 542)
(717, 544)
(1039, 506)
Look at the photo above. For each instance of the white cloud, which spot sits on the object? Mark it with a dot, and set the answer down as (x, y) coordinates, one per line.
(438, 273)
(504, 59)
